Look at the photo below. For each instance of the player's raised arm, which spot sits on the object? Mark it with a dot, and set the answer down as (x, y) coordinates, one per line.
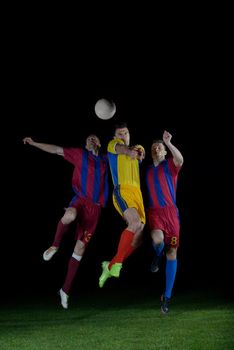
(177, 156)
(44, 146)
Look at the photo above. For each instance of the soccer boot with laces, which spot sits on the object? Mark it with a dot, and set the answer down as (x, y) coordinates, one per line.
(49, 253)
(115, 269)
(64, 298)
(164, 305)
(105, 273)
(155, 263)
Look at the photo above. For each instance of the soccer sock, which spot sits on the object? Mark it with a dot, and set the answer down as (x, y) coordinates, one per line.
(125, 248)
(171, 268)
(158, 248)
(71, 272)
(61, 230)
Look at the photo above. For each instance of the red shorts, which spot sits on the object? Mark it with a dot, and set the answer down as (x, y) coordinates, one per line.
(167, 220)
(88, 214)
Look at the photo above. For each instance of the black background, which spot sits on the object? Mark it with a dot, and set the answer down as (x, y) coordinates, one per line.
(178, 81)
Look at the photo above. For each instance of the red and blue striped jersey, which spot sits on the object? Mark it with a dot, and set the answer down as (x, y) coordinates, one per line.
(90, 175)
(161, 183)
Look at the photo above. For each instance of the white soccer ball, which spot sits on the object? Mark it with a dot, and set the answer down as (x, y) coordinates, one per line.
(105, 109)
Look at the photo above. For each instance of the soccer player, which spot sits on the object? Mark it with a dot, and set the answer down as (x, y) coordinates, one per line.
(127, 197)
(162, 211)
(90, 186)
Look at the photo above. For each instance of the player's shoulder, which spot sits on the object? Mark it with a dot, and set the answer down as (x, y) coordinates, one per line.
(72, 150)
(112, 143)
(115, 140)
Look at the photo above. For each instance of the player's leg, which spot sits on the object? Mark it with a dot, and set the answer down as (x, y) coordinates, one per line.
(89, 215)
(171, 269)
(129, 204)
(73, 266)
(62, 227)
(125, 247)
(158, 245)
(171, 238)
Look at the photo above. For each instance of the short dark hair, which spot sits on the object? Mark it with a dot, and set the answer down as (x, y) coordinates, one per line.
(120, 125)
(158, 141)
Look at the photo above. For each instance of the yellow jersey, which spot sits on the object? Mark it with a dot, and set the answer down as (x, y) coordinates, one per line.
(124, 169)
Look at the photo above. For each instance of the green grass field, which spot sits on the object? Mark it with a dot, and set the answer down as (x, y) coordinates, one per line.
(124, 320)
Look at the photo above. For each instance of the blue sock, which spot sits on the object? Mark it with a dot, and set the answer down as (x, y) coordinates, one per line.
(171, 268)
(158, 248)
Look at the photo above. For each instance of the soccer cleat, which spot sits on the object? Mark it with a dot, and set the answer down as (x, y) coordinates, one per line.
(115, 269)
(155, 263)
(49, 253)
(105, 273)
(64, 299)
(164, 304)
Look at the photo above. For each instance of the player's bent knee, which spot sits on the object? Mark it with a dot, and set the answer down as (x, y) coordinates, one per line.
(172, 253)
(135, 227)
(69, 216)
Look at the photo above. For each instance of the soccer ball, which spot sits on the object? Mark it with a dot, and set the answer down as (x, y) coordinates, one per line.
(105, 109)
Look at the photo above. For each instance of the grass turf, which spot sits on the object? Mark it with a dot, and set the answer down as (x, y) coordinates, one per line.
(123, 320)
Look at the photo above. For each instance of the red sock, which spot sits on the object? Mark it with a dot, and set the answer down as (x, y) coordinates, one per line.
(61, 230)
(124, 249)
(71, 273)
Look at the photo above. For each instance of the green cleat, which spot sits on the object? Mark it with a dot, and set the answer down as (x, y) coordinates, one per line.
(105, 273)
(115, 269)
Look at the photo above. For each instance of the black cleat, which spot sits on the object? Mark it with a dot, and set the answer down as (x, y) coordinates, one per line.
(155, 263)
(164, 305)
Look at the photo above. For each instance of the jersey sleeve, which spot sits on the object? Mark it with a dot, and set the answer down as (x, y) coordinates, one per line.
(72, 154)
(174, 169)
(112, 144)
